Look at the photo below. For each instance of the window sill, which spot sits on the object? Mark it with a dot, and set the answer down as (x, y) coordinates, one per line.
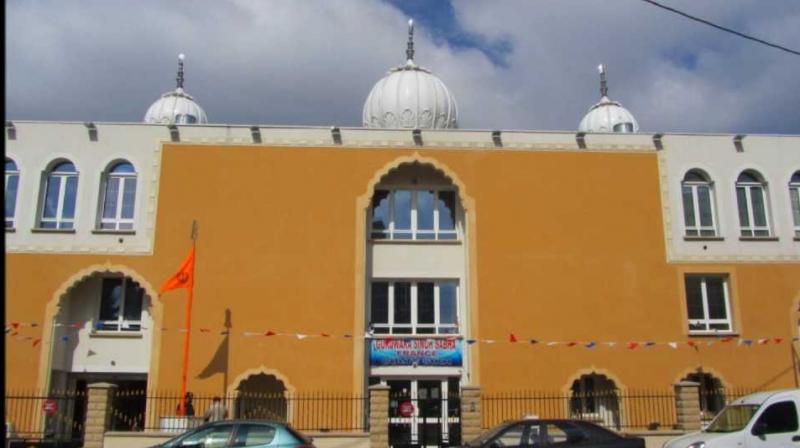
(703, 238)
(13, 230)
(116, 334)
(758, 238)
(417, 336)
(416, 242)
(113, 232)
(797, 238)
(713, 334)
(41, 230)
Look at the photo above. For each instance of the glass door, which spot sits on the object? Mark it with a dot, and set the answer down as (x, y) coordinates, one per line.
(423, 412)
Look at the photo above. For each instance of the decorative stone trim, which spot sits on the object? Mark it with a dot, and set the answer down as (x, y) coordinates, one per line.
(98, 413)
(379, 416)
(687, 405)
(471, 413)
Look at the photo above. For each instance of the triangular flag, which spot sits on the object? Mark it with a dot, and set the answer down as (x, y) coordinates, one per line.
(184, 278)
(348, 335)
(36, 342)
(778, 340)
(534, 341)
(489, 341)
(471, 341)
(611, 344)
(649, 344)
(325, 335)
(633, 345)
(205, 330)
(747, 342)
(15, 325)
(673, 344)
(691, 344)
(552, 344)
(270, 333)
(571, 344)
(14, 333)
(591, 344)
(252, 333)
(763, 341)
(726, 339)
(301, 336)
(512, 338)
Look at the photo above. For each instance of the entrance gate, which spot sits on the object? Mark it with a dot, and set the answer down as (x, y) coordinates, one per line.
(424, 413)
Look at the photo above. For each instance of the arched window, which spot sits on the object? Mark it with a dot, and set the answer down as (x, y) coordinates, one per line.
(59, 196)
(712, 394)
(751, 195)
(118, 193)
(794, 196)
(12, 182)
(698, 204)
(594, 397)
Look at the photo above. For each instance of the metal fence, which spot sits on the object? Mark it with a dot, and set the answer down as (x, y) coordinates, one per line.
(633, 409)
(308, 411)
(57, 416)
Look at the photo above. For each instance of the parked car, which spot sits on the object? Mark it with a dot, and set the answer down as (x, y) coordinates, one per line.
(536, 433)
(240, 433)
(764, 420)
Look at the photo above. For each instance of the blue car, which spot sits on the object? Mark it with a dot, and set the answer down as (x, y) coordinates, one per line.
(240, 433)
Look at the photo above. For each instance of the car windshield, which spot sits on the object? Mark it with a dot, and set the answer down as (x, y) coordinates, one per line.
(488, 435)
(733, 418)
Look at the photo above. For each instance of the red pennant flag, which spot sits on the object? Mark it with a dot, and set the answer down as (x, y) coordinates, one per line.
(14, 333)
(512, 338)
(571, 344)
(78, 324)
(778, 340)
(269, 333)
(727, 339)
(691, 344)
(633, 345)
(325, 335)
(36, 342)
(15, 325)
(204, 330)
(184, 278)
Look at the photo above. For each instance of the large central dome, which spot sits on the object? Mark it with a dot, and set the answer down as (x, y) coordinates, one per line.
(410, 97)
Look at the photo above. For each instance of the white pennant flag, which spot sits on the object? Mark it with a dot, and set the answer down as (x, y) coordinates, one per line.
(252, 333)
(489, 341)
(673, 344)
(301, 336)
(552, 344)
(611, 344)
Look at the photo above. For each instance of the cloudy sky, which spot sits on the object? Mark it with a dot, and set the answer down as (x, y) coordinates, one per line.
(527, 64)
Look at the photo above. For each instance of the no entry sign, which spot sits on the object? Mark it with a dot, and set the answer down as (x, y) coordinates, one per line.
(50, 407)
(406, 409)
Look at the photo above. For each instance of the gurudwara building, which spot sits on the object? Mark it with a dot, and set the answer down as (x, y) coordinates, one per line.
(407, 252)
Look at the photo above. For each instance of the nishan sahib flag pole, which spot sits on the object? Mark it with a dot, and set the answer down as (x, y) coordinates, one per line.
(184, 278)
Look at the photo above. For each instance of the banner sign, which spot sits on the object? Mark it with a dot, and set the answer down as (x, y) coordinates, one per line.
(422, 352)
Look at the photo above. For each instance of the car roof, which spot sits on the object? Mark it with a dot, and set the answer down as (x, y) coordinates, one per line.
(759, 398)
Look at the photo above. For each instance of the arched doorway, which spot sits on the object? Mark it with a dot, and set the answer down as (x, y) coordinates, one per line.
(595, 397)
(262, 397)
(712, 393)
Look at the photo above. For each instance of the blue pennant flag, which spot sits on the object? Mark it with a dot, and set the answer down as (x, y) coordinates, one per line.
(591, 344)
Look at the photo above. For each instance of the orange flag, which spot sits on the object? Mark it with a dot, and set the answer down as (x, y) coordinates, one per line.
(184, 277)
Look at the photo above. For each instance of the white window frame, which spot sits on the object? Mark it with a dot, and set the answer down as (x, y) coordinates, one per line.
(117, 222)
(706, 320)
(390, 326)
(698, 229)
(120, 324)
(794, 187)
(62, 177)
(11, 220)
(391, 233)
(751, 188)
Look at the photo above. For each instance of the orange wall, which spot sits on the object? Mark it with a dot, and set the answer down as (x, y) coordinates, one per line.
(570, 246)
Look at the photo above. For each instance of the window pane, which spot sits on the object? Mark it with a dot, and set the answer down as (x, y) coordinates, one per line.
(425, 209)
(380, 210)
(254, 435)
(51, 197)
(447, 210)
(379, 311)
(716, 297)
(133, 301)
(447, 303)
(402, 210)
(402, 303)
(425, 305)
(688, 206)
(69, 197)
(110, 202)
(111, 299)
(704, 202)
(128, 198)
(694, 298)
(779, 418)
(759, 211)
(741, 198)
(11, 195)
(795, 195)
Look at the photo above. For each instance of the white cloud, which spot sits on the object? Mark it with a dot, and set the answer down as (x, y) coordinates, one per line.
(314, 62)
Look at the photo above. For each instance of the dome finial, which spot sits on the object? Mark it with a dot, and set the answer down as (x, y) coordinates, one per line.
(603, 84)
(410, 49)
(179, 79)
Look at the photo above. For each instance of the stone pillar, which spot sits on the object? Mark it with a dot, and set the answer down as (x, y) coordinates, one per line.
(379, 416)
(687, 405)
(471, 413)
(98, 413)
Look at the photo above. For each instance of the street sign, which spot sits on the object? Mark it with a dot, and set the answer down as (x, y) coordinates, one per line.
(406, 409)
(50, 407)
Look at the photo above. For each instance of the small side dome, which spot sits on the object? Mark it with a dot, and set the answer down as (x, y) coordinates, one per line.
(410, 97)
(607, 115)
(177, 106)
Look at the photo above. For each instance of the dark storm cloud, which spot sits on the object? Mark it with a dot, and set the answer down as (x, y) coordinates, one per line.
(314, 62)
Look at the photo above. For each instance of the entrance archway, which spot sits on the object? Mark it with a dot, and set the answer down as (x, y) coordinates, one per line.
(262, 397)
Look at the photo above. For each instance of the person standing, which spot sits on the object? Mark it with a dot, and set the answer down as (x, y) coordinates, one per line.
(216, 412)
(188, 407)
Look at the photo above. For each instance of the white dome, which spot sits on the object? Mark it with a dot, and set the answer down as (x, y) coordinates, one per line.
(410, 97)
(607, 115)
(176, 107)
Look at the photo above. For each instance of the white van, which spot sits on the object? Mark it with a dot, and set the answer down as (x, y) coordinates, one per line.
(763, 420)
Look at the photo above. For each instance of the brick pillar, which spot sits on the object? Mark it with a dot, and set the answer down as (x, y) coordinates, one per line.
(687, 405)
(471, 413)
(379, 416)
(98, 413)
